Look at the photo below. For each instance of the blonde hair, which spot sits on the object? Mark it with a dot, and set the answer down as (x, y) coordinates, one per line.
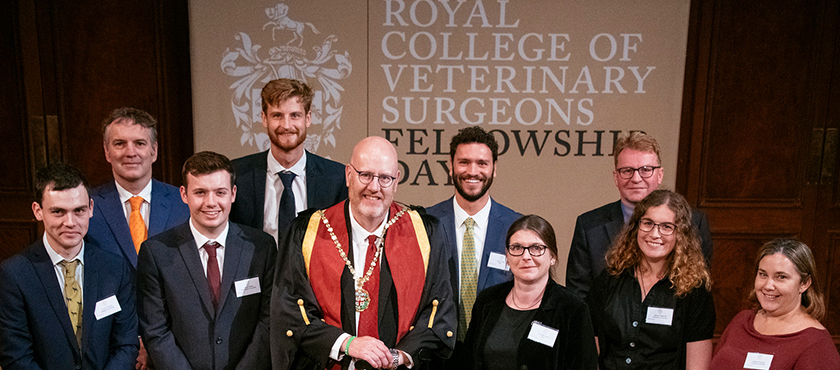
(686, 267)
(803, 260)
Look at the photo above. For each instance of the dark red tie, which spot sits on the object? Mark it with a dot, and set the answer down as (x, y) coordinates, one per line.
(213, 275)
(368, 317)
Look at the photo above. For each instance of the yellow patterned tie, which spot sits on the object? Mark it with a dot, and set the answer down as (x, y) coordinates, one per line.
(136, 224)
(73, 294)
(469, 278)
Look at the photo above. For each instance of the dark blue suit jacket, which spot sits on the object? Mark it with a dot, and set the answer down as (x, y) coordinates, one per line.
(180, 327)
(594, 233)
(35, 329)
(109, 229)
(500, 219)
(325, 186)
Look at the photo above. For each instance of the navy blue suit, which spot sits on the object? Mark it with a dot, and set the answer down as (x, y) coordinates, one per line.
(325, 186)
(35, 329)
(594, 233)
(500, 219)
(180, 327)
(109, 229)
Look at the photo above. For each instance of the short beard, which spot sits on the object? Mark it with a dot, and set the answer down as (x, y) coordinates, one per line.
(473, 198)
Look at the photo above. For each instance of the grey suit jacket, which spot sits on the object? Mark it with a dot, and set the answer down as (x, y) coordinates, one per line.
(180, 327)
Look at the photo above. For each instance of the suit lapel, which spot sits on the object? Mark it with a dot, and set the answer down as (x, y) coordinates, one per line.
(46, 273)
(235, 251)
(348, 285)
(616, 221)
(159, 209)
(313, 174)
(192, 261)
(91, 294)
(495, 231)
(113, 212)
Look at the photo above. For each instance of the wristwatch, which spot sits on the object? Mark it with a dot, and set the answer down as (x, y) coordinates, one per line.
(396, 355)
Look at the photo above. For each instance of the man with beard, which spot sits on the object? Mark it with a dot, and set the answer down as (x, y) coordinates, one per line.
(365, 284)
(276, 184)
(475, 225)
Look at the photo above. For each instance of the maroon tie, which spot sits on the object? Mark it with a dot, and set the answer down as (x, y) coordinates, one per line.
(368, 317)
(213, 275)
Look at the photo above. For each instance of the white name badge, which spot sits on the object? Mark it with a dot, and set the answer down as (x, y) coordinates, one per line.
(247, 287)
(758, 361)
(660, 316)
(107, 307)
(542, 334)
(498, 261)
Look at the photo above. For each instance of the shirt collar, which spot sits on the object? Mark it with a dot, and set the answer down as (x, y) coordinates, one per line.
(626, 212)
(57, 258)
(359, 232)
(481, 217)
(125, 195)
(299, 168)
(200, 239)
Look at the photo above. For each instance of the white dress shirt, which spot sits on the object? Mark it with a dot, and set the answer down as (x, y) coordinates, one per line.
(59, 270)
(481, 219)
(145, 207)
(274, 191)
(220, 250)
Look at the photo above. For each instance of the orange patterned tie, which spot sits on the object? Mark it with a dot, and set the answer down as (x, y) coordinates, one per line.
(136, 224)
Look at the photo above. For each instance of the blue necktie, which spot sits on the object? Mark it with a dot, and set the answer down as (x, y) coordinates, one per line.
(286, 212)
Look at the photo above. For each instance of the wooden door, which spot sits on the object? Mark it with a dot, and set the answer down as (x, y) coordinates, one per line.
(65, 65)
(758, 142)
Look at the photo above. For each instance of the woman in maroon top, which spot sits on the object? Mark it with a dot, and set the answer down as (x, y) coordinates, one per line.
(784, 332)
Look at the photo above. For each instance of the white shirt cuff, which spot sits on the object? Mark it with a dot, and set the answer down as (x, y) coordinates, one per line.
(335, 352)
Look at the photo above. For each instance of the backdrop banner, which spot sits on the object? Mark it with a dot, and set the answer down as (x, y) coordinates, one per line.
(556, 82)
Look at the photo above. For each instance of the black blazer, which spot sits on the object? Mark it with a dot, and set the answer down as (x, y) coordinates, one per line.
(560, 309)
(325, 186)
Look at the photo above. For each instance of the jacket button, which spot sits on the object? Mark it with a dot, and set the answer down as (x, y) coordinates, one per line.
(77, 366)
(523, 367)
(219, 340)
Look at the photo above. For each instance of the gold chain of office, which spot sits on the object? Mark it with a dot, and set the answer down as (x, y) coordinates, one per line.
(362, 295)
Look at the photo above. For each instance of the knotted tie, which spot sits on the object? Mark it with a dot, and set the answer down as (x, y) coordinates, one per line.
(286, 212)
(368, 318)
(213, 274)
(136, 224)
(469, 278)
(73, 294)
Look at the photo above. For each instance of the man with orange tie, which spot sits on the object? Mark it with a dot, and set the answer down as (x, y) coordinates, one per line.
(65, 303)
(134, 206)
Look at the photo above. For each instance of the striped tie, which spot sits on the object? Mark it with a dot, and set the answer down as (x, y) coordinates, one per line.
(469, 278)
(73, 294)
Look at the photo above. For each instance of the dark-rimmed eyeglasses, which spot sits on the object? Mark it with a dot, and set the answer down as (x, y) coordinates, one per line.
(665, 228)
(366, 177)
(535, 250)
(644, 171)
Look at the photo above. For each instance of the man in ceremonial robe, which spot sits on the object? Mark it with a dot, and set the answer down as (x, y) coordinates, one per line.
(366, 284)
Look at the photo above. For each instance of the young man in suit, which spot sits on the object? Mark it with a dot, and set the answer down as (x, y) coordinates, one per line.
(66, 303)
(275, 185)
(638, 172)
(472, 216)
(134, 206)
(203, 287)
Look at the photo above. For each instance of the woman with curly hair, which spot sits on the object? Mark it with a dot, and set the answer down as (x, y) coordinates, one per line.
(651, 308)
(782, 331)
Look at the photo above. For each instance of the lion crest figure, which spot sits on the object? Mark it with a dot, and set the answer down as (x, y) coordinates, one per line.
(280, 20)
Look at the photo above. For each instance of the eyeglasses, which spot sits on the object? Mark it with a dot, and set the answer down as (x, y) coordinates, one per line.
(665, 228)
(644, 171)
(535, 250)
(366, 177)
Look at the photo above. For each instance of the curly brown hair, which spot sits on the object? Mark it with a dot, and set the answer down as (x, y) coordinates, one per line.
(686, 268)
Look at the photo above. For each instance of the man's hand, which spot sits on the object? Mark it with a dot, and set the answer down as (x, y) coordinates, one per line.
(371, 350)
(143, 362)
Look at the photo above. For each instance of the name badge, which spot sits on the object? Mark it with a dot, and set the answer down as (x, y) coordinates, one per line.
(660, 316)
(758, 361)
(542, 334)
(247, 287)
(107, 307)
(498, 261)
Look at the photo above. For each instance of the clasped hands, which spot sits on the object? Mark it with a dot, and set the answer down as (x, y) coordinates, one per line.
(372, 350)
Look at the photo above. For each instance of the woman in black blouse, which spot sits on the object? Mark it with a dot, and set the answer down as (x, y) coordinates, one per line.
(531, 322)
(651, 307)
